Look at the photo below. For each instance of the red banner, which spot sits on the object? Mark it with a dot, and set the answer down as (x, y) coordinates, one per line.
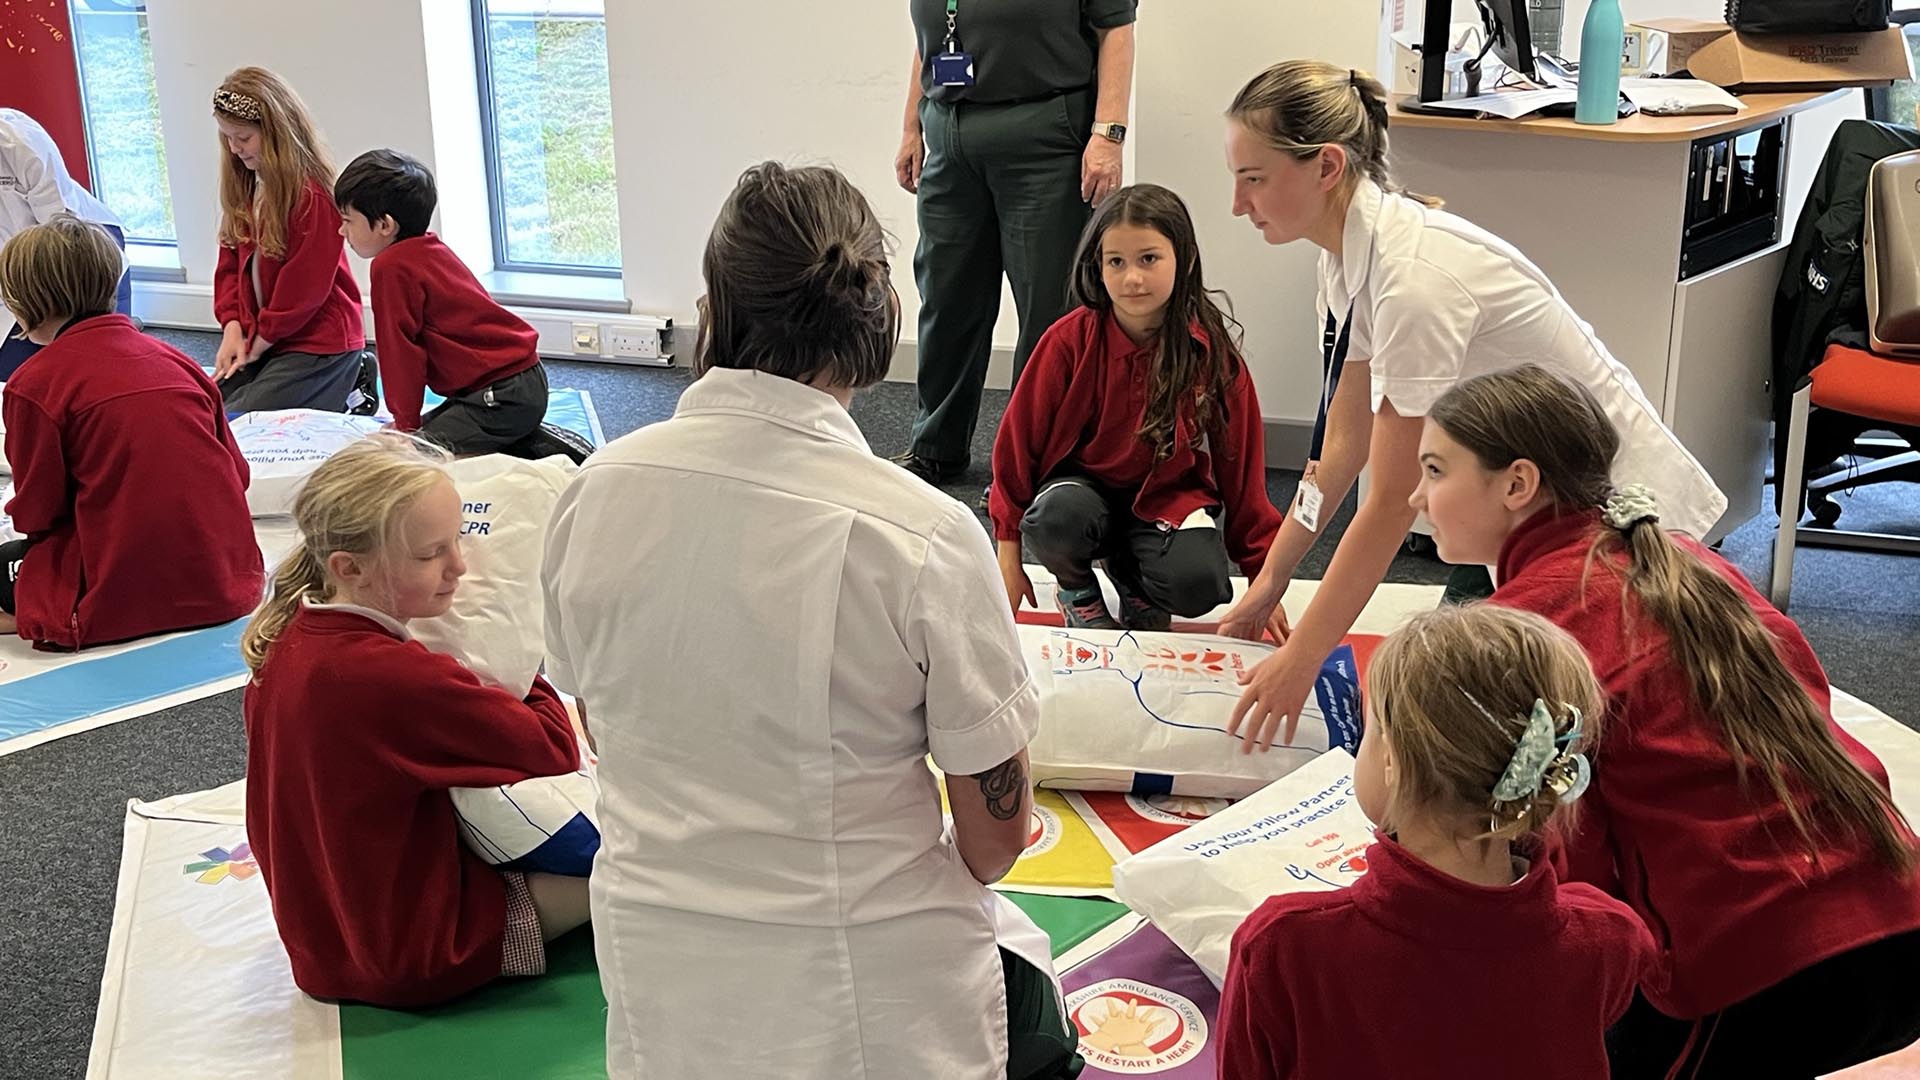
(40, 77)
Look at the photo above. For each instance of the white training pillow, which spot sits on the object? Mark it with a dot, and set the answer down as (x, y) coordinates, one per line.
(545, 824)
(1301, 834)
(6, 467)
(1124, 710)
(6, 522)
(496, 625)
(284, 446)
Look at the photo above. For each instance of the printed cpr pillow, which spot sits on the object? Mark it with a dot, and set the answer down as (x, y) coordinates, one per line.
(1125, 710)
(496, 625)
(284, 446)
(545, 824)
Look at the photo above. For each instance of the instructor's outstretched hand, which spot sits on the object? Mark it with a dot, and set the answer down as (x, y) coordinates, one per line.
(1276, 689)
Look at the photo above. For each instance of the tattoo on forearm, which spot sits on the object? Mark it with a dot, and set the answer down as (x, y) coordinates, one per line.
(1002, 786)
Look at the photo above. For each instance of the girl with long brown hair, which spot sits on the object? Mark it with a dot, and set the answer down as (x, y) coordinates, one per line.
(1757, 839)
(1134, 437)
(289, 309)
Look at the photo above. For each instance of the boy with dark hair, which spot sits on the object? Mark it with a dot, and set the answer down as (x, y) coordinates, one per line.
(434, 324)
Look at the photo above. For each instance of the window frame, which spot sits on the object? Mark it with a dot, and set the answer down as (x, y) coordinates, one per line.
(136, 8)
(490, 162)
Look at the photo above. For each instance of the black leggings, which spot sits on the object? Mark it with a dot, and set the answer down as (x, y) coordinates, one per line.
(1840, 1012)
(11, 553)
(1074, 521)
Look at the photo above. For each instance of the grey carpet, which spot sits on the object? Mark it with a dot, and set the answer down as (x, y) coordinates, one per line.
(62, 803)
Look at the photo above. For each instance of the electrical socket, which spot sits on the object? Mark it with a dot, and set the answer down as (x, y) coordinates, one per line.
(637, 344)
(586, 338)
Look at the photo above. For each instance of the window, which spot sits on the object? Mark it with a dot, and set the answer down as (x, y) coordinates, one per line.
(123, 116)
(546, 115)
(1900, 102)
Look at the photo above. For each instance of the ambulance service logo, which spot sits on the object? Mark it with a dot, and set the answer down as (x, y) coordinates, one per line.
(1175, 809)
(1134, 1028)
(216, 865)
(1043, 832)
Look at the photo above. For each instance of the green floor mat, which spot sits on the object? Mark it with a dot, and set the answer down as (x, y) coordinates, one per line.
(554, 1027)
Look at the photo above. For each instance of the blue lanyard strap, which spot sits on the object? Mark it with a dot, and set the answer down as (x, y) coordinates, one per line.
(1334, 340)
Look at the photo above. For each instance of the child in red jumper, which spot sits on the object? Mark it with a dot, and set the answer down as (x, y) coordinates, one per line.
(1459, 953)
(284, 295)
(1757, 839)
(355, 733)
(1134, 436)
(129, 491)
(434, 325)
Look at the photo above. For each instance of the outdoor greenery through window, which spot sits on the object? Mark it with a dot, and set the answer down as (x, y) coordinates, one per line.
(548, 119)
(123, 115)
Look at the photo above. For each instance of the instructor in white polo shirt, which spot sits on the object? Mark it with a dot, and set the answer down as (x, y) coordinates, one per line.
(1413, 300)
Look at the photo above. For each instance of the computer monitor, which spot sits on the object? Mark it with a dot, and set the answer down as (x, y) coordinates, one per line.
(1508, 36)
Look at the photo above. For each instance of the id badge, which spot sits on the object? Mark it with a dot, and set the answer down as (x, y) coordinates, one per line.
(953, 69)
(1306, 506)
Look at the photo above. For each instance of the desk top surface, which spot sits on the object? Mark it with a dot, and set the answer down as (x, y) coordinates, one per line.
(1637, 128)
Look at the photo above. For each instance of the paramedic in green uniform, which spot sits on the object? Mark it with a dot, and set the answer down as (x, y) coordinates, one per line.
(1016, 113)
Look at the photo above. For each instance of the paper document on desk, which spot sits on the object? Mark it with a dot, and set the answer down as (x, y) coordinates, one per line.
(1679, 97)
(1507, 104)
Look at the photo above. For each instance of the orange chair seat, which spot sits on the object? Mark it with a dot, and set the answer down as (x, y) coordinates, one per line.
(1864, 384)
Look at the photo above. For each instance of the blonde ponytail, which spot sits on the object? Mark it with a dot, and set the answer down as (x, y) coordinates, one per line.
(1300, 106)
(298, 576)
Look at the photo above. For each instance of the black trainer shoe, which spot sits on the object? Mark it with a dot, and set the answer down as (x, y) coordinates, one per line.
(1085, 608)
(933, 472)
(1138, 613)
(984, 503)
(364, 398)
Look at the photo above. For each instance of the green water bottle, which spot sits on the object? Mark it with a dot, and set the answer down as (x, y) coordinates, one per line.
(1601, 38)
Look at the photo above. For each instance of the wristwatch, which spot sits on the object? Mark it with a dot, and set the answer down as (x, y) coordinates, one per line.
(1115, 132)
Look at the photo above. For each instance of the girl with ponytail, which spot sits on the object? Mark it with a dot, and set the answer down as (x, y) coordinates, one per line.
(1757, 839)
(355, 733)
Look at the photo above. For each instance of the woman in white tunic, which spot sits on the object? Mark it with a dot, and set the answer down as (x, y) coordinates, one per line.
(769, 629)
(1413, 300)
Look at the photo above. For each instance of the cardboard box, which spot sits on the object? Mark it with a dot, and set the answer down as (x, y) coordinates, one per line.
(1683, 38)
(1712, 51)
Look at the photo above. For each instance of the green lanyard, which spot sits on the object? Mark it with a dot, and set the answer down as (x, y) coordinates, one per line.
(953, 10)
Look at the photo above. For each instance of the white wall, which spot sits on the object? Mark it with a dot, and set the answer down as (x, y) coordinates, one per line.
(358, 64)
(703, 90)
(1192, 59)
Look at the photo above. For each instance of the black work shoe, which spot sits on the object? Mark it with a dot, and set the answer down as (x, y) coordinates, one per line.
(933, 472)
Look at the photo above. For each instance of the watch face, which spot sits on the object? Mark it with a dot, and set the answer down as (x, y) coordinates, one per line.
(1117, 132)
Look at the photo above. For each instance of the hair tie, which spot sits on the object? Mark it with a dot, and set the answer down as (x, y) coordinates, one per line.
(1353, 78)
(1631, 505)
(236, 104)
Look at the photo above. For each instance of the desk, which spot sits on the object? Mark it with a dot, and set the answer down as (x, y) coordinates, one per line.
(1601, 210)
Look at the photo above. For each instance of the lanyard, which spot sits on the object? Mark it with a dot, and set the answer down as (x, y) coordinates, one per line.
(953, 11)
(1333, 352)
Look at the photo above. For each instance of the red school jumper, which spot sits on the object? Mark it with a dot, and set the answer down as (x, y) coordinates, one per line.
(131, 488)
(1719, 877)
(1411, 973)
(434, 326)
(1080, 401)
(354, 735)
(308, 300)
